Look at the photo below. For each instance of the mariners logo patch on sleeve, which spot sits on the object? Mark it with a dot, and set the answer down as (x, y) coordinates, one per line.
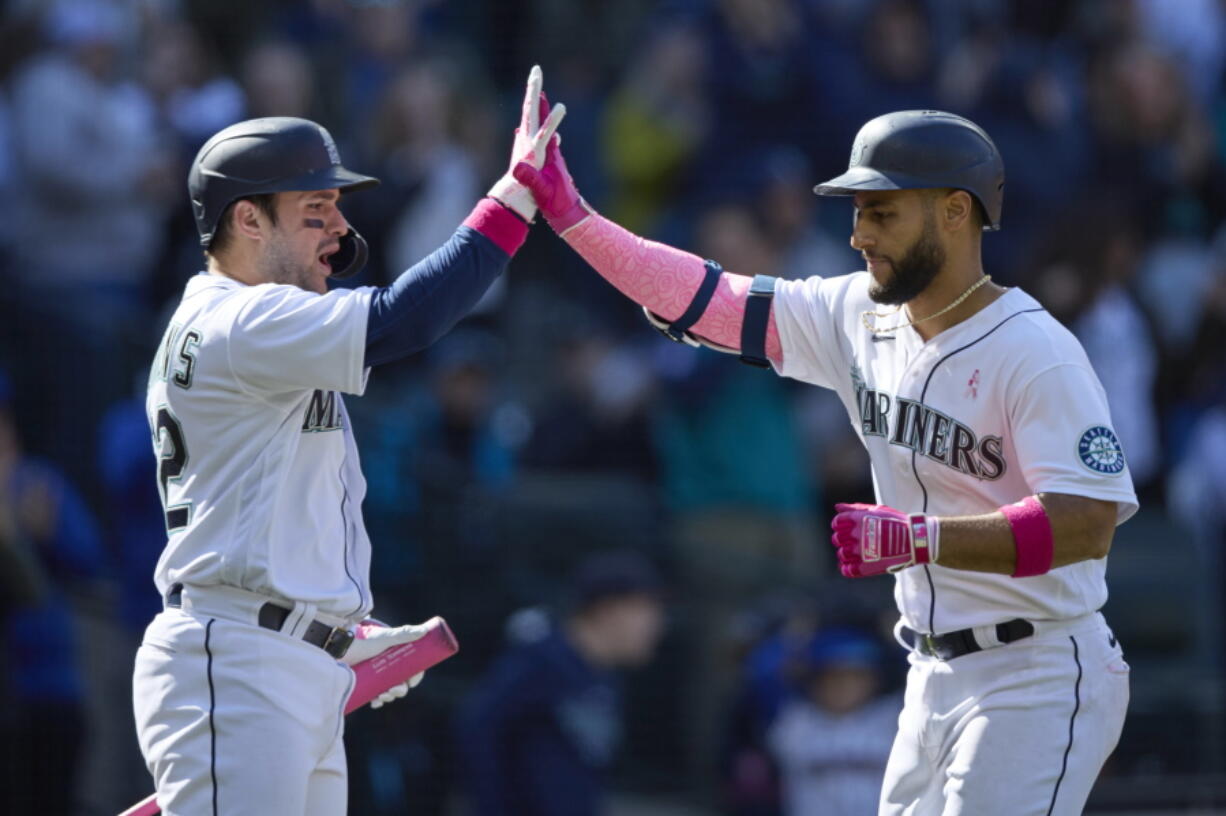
(1100, 451)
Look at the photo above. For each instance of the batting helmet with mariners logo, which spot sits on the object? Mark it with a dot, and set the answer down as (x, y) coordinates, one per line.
(275, 154)
(920, 149)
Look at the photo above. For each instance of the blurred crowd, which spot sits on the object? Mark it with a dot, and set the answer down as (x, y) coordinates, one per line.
(554, 424)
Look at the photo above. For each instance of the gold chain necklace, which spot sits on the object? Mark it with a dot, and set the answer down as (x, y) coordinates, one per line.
(865, 316)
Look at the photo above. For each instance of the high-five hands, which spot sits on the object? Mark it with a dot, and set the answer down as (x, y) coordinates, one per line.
(554, 190)
(529, 147)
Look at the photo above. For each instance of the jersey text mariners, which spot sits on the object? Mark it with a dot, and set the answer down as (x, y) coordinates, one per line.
(998, 407)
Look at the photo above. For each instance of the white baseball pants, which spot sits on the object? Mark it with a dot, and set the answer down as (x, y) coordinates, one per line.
(1017, 730)
(236, 720)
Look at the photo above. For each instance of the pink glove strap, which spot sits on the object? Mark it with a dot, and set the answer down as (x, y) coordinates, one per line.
(563, 222)
(923, 538)
(499, 224)
(1031, 535)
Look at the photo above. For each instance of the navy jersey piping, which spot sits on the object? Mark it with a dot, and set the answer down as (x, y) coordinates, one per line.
(345, 520)
(1072, 720)
(208, 632)
(932, 606)
(340, 474)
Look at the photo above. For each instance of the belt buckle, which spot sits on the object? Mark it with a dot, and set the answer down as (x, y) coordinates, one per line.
(930, 646)
(338, 642)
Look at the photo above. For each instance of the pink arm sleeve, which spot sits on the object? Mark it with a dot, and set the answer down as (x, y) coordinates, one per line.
(664, 279)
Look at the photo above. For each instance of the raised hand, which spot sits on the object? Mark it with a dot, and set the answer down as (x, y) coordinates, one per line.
(529, 146)
(554, 190)
(872, 539)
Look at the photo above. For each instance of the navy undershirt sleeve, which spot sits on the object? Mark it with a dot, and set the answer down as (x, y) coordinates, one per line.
(431, 296)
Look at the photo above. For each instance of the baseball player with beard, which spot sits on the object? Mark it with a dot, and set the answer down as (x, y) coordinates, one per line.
(998, 476)
(240, 682)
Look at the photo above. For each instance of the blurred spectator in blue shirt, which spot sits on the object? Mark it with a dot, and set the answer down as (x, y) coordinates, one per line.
(87, 144)
(96, 182)
(757, 54)
(772, 635)
(135, 521)
(43, 725)
(541, 731)
(832, 741)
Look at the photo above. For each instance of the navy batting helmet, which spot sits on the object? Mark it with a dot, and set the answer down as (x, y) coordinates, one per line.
(918, 149)
(272, 155)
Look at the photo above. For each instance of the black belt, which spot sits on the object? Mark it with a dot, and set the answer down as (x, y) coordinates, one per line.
(334, 640)
(962, 642)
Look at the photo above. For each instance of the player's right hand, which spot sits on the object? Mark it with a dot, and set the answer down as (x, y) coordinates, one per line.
(872, 539)
(554, 190)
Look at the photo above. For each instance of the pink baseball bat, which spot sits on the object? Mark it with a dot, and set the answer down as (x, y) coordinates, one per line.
(373, 677)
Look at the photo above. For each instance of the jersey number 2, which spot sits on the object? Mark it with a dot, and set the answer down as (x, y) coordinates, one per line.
(172, 458)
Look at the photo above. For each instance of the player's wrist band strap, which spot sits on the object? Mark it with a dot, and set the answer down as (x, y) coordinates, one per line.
(753, 324)
(693, 313)
(924, 537)
(757, 316)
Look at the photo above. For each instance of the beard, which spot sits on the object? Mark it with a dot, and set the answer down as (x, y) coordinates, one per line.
(281, 266)
(913, 272)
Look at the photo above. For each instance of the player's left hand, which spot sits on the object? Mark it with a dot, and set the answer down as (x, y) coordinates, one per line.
(396, 692)
(872, 539)
(537, 124)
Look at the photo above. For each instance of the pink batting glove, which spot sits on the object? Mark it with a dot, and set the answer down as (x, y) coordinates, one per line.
(554, 190)
(872, 539)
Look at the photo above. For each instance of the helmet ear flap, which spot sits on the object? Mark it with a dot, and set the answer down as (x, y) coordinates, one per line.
(351, 257)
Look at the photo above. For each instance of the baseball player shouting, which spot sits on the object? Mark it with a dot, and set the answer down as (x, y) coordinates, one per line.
(998, 476)
(239, 684)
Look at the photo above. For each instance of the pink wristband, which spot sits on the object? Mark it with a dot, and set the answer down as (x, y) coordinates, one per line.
(499, 224)
(1031, 535)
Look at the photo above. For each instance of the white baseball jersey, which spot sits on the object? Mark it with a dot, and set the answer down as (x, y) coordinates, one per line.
(257, 463)
(1001, 406)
